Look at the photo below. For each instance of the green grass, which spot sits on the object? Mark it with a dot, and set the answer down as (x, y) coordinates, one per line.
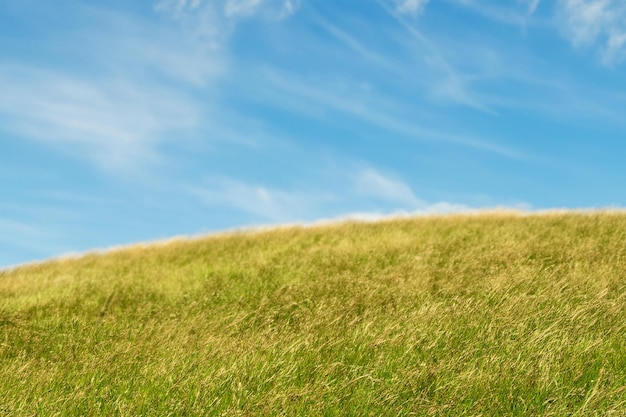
(495, 314)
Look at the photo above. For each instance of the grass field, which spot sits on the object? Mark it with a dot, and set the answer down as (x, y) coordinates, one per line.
(491, 314)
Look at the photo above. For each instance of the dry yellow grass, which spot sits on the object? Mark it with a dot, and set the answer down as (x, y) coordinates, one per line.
(480, 314)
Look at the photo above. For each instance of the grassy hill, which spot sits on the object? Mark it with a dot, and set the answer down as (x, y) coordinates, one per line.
(492, 314)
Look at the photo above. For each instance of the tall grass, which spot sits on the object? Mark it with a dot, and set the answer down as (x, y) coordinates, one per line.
(492, 314)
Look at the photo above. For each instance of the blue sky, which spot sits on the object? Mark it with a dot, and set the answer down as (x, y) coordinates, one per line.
(126, 121)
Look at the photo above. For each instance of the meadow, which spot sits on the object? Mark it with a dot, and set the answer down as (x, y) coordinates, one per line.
(493, 314)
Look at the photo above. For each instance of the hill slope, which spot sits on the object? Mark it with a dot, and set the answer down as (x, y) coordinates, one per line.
(461, 315)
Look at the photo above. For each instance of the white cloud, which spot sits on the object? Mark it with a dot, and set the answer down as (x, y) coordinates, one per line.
(377, 216)
(413, 7)
(139, 97)
(203, 20)
(215, 20)
(144, 94)
(241, 7)
(262, 202)
(371, 183)
(115, 123)
(369, 109)
(596, 23)
(354, 45)
(586, 19)
(451, 85)
(272, 9)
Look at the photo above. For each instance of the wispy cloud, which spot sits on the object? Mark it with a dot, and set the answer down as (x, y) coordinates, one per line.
(241, 7)
(204, 21)
(586, 20)
(115, 123)
(412, 7)
(596, 23)
(355, 45)
(369, 110)
(378, 193)
(264, 203)
(214, 21)
(526, 81)
(372, 183)
(144, 93)
(439, 208)
(277, 9)
(451, 86)
(141, 95)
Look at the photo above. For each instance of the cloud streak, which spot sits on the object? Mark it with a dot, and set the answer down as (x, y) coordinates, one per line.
(350, 191)
(145, 91)
(372, 183)
(355, 45)
(367, 110)
(596, 23)
(452, 86)
(214, 21)
(411, 7)
(262, 202)
(116, 124)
